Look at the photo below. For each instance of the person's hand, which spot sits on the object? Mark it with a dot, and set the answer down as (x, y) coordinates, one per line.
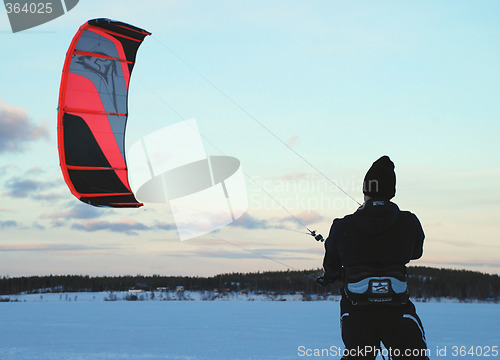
(324, 280)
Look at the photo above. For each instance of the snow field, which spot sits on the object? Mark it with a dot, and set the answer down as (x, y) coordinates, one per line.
(102, 330)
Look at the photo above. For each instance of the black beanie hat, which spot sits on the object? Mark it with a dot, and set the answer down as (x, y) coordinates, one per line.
(380, 180)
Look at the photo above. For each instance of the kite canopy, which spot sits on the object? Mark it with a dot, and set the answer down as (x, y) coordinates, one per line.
(92, 113)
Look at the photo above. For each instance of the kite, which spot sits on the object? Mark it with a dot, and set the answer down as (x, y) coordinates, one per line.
(92, 112)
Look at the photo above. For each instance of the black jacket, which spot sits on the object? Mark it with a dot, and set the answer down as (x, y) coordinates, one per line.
(377, 234)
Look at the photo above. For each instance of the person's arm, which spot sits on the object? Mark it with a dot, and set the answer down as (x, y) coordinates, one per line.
(331, 262)
(418, 248)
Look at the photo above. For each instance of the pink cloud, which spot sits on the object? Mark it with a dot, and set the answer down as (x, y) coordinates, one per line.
(18, 129)
(294, 140)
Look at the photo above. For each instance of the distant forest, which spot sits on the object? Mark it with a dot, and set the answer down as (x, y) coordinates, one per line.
(423, 282)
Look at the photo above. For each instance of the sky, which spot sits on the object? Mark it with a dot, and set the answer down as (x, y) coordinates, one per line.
(341, 83)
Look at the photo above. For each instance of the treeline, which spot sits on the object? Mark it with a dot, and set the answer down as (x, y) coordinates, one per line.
(424, 283)
(279, 282)
(427, 282)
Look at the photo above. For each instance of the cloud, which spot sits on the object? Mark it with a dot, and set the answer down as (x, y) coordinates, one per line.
(472, 264)
(5, 168)
(252, 223)
(8, 224)
(239, 252)
(77, 211)
(310, 216)
(50, 196)
(37, 226)
(34, 171)
(294, 140)
(22, 187)
(46, 247)
(307, 217)
(164, 226)
(82, 217)
(125, 226)
(17, 129)
(30, 185)
(463, 244)
(247, 221)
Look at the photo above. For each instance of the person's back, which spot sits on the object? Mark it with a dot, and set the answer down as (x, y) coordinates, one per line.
(378, 233)
(368, 251)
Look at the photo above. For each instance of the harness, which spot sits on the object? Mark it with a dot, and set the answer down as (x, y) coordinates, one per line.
(367, 285)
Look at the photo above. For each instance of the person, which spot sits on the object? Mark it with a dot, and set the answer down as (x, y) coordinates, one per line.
(368, 250)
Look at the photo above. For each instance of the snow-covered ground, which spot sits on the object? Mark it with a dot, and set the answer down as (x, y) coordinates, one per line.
(82, 326)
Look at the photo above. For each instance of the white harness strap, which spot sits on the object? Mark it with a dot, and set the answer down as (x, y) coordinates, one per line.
(371, 285)
(379, 285)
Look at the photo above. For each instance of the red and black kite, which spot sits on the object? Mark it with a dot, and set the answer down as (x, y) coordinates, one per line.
(92, 112)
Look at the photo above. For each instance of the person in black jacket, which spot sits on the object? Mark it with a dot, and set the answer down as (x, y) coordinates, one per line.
(368, 250)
